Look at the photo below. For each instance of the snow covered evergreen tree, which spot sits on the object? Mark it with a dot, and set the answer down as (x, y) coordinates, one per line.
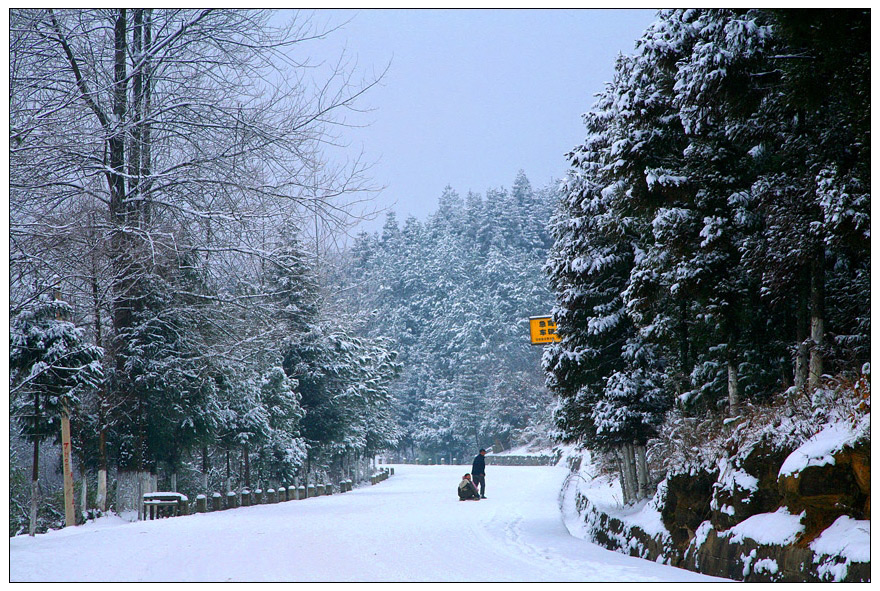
(50, 366)
(698, 222)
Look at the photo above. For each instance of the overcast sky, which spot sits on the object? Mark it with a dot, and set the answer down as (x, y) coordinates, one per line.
(473, 96)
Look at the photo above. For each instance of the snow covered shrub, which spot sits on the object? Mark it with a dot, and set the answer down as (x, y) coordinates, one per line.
(685, 444)
(50, 508)
(845, 398)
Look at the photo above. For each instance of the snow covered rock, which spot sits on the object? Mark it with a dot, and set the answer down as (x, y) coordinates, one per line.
(770, 510)
(746, 485)
(829, 476)
(687, 504)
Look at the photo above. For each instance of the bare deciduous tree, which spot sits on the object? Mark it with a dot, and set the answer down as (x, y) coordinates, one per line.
(143, 138)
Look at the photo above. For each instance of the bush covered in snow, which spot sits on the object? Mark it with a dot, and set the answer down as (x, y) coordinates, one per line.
(687, 443)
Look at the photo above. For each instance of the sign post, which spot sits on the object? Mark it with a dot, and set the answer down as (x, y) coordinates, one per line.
(542, 330)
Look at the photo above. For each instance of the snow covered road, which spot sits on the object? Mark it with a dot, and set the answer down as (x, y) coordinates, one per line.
(410, 527)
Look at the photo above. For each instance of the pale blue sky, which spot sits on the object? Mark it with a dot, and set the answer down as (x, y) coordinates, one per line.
(473, 96)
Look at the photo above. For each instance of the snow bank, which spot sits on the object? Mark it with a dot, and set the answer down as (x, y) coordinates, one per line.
(524, 450)
(103, 523)
(730, 478)
(819, 450)
(847, 540)
(846, 537)
(779, 528)
(604, 495)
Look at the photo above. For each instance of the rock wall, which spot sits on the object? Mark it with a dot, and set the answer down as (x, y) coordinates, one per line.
(706, 516)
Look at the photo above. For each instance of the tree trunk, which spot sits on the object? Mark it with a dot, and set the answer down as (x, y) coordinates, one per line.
(67, 466)
(137, 79)
(205, 468)
(146, 139)
(733, 397)
(641, 453)
(127, 491)
(145, 485)
(35, 474)
(621, 466)
(101, 493)
(683, 346)
(247, 468)
(116, 141)
(817, 319)
(802, 333)
(228, 472)
(101, 496)
(631, 477)
(84, 494)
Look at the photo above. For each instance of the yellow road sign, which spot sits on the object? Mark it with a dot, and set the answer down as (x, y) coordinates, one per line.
(543, 330)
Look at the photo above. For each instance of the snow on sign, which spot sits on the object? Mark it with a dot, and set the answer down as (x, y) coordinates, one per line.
(542, 330)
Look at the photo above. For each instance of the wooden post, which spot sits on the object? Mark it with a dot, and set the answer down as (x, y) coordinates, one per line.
(67, 467)
(69, 513)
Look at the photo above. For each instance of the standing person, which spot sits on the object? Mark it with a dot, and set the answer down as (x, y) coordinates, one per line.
(479, 472)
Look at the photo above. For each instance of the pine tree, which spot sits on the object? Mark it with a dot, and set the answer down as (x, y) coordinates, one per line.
(283, 450)
(50, 365)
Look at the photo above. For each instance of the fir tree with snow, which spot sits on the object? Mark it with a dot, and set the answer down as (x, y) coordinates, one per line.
(50, 366)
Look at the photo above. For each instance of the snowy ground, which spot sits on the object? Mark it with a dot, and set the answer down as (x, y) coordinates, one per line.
(410, 527)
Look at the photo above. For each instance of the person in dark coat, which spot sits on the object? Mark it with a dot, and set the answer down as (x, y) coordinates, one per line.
(466, 489)
(479, 472)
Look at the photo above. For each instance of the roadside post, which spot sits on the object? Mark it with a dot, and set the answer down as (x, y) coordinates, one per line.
(66, 465)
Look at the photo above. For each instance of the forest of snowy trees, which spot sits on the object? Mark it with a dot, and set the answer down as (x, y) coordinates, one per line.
(455, 293)
(713, 246)
(172, 290)
(173, 293)
(163, 166)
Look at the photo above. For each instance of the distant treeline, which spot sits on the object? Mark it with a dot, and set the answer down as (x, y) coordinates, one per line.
(454, 293)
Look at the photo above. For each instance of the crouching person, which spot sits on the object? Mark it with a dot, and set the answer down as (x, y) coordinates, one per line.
(466, 490)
